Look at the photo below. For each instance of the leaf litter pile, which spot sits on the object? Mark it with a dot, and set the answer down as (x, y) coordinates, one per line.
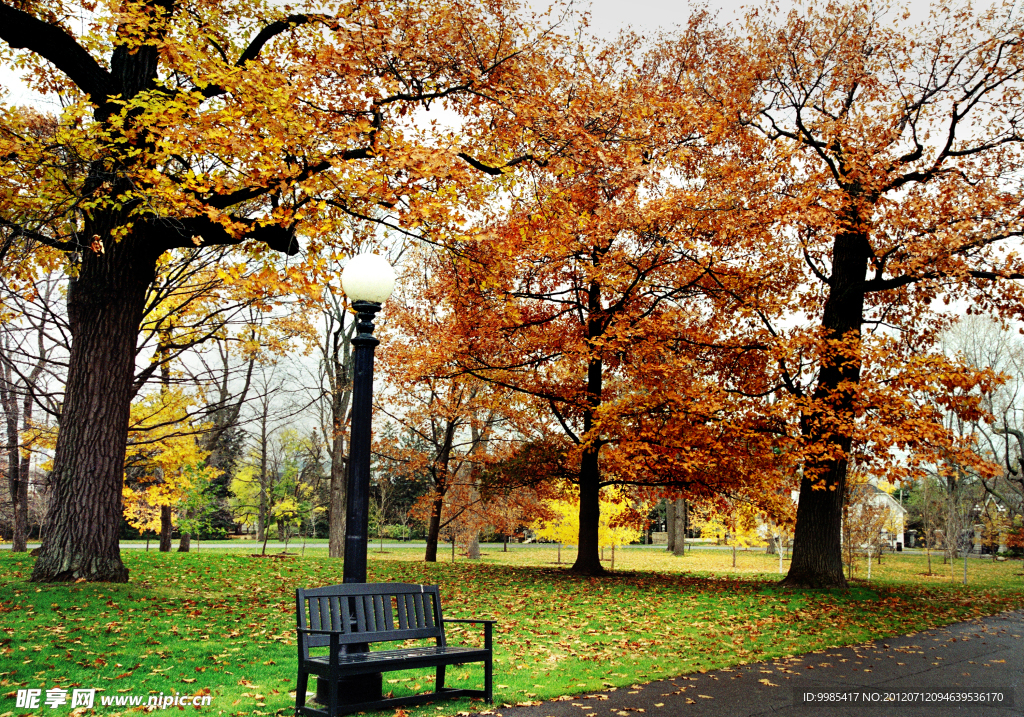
(223, 623)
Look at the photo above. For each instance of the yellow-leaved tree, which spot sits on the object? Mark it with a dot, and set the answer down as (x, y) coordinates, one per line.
(564, 525)
(165, 467)
(729, 522)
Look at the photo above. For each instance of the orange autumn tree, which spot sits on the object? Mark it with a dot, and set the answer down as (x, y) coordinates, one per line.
(450, 428)
(443, 426)
(212, 123)
(603, 291)
(904, 144)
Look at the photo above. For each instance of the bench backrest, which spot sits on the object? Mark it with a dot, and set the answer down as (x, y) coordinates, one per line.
(368, 612)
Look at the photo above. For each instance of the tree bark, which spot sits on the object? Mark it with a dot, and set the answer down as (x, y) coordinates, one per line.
(679, 547)
(105, 307)
(165, 528)
(17, 485)
(434, 528)
(19, 540)
(588, 557)
(185, 543)
(338, 500)
(338, 367)
(817, 559)
(670, 525)
(25, 469)
(263, 514)
(439, 470)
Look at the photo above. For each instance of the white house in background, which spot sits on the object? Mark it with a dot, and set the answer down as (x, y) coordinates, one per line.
(896, 514)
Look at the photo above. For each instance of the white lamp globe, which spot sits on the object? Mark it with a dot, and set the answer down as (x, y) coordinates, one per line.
(368, 277)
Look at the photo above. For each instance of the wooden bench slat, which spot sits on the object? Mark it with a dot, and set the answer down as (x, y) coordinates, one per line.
(383, 656)
(352, 638)
(416, 610)
(334, 610)
(360, 614)
(410, 611)
(400, 608)
(352, 589)
(422, 610)
(428, 609)
(388, 622)
(314, 614)
(378, 613)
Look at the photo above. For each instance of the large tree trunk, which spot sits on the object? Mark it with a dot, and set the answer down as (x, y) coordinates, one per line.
(105, 305)
(337, 355)
(679, 547)
(19, 541)
(434, 527)
(16, 481)
(817, 559)
(165, 528)
(263, 516)
(670, 525)
(338, 495)
(25, 469)
(439, 471)
(588, 558)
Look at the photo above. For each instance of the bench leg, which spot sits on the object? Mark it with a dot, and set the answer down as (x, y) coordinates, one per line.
(488, 681)
(439, 685)
(300, 690)
(332, 706)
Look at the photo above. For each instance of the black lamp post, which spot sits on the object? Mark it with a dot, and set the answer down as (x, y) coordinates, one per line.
(368, 281)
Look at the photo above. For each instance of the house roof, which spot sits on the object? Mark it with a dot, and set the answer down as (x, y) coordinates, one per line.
(870, 491)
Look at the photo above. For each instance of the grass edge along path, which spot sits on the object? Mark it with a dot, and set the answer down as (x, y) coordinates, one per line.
(222, 624)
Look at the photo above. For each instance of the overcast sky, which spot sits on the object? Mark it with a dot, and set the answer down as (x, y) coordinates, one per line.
(610, 16)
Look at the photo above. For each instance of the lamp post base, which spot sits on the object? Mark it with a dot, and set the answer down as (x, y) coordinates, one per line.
(352, 690)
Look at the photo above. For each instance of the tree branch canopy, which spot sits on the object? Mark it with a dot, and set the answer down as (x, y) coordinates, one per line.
(21, 30)
(186, 233)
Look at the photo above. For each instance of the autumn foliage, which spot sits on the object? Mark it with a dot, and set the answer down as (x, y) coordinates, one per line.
(713, 264)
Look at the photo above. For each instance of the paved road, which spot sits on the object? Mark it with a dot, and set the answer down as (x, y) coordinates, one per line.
(980, 657)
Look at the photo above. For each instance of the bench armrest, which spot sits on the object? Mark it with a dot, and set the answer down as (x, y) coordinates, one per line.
(488, 624)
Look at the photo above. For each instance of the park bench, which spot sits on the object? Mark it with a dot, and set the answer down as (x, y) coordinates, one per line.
(346, 619)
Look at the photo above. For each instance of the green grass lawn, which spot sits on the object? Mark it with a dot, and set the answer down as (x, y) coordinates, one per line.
(223, 622)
